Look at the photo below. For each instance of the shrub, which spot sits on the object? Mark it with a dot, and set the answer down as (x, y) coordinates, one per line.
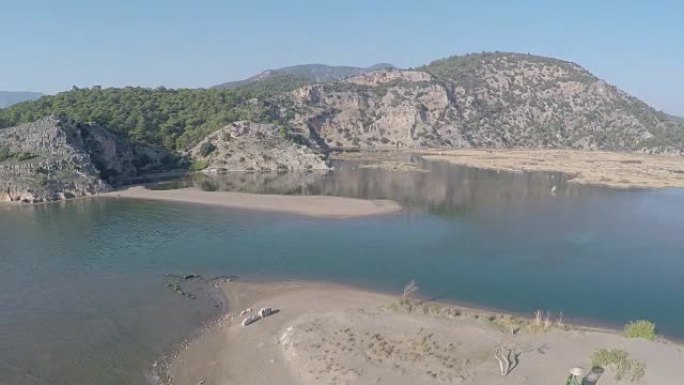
(206, 148)
(198, 165)
(619, 361)
(640, 329)
(4, 153)
(25, 156)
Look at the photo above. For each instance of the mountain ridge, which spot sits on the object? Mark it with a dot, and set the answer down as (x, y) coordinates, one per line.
(9, 98)
(313, 73)
(490, 100)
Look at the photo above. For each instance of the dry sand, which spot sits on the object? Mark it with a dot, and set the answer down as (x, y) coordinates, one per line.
(313, 206)
(624, 170)
(327, 334)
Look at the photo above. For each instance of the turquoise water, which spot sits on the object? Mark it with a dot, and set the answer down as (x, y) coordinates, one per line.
(84, 294)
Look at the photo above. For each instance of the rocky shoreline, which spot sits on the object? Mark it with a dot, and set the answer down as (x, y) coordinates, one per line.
(56, 158)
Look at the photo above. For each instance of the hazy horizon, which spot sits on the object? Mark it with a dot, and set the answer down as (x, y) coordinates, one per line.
(178, 44)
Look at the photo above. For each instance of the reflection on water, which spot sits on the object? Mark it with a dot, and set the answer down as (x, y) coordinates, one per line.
(437, 187)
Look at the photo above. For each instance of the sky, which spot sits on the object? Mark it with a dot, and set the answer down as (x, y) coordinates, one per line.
(52, 45)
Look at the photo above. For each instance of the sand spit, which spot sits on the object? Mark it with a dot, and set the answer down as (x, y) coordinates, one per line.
(313, 206)
(328, 334)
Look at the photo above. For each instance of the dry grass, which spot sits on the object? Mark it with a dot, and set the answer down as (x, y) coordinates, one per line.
(624, 170)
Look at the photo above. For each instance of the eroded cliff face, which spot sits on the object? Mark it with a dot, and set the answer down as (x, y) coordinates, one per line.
(53, 159)
(379, 109)
(491, 100)
(248, 146)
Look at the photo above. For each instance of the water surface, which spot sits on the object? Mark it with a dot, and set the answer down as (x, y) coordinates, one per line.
(84, 294)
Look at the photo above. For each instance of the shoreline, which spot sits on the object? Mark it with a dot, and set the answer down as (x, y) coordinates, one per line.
(286, 347)
(316, 206)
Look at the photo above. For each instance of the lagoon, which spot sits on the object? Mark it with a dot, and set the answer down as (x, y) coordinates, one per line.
(84, 288)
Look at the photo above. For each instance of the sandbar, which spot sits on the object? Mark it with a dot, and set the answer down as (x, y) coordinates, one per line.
(331, 334)
(307, 205)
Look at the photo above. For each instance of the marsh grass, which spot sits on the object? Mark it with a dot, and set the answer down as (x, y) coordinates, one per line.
(640, 329)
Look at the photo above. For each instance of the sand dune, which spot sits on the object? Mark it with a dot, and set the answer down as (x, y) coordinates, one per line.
(326, 334)
(313, 206)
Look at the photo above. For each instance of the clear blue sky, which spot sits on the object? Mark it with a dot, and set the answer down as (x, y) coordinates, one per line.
(50, 45)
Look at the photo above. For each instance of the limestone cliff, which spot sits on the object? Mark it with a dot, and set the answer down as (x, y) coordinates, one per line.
(248, 146)
(497, 100)
(55, 158)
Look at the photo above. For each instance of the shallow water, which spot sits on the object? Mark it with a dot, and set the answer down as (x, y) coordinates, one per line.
(84, 294)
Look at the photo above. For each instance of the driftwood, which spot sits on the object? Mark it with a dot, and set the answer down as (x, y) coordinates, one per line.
(507, 358)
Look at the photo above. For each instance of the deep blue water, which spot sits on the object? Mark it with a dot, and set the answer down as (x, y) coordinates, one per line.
(83, 285)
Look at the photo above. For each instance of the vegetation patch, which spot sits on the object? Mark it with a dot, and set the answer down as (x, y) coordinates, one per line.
(22, 156)
(206, 149)
(620, 362)
(5, 153)
(640, 329)
(198, 165)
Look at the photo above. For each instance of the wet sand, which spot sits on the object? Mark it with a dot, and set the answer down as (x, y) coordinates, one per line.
(312, 206)
(330, 334)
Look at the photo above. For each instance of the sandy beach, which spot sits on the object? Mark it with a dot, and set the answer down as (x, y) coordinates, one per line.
(312, 206)
(329, 334)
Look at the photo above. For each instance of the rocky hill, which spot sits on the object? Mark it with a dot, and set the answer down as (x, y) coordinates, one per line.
(55, 158)
(8, 98)
(498, 100)
(247, 146)
(305, 73)
(289, 119)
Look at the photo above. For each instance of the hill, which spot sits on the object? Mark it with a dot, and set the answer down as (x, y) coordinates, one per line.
(174, 119)
(304, 74)
(677, 118)
(491, 100)
(9, 98)
(55, 158)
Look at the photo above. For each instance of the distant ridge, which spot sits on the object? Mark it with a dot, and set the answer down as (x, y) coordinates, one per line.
(9, 98)
(307, 73)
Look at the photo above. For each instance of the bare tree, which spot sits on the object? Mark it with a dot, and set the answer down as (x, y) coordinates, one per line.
(410, 289)
(538, 318)
(547, 321)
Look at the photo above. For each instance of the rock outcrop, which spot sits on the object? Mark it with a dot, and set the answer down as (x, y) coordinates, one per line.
(497, 100)
(247, 146)
(55, 158)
